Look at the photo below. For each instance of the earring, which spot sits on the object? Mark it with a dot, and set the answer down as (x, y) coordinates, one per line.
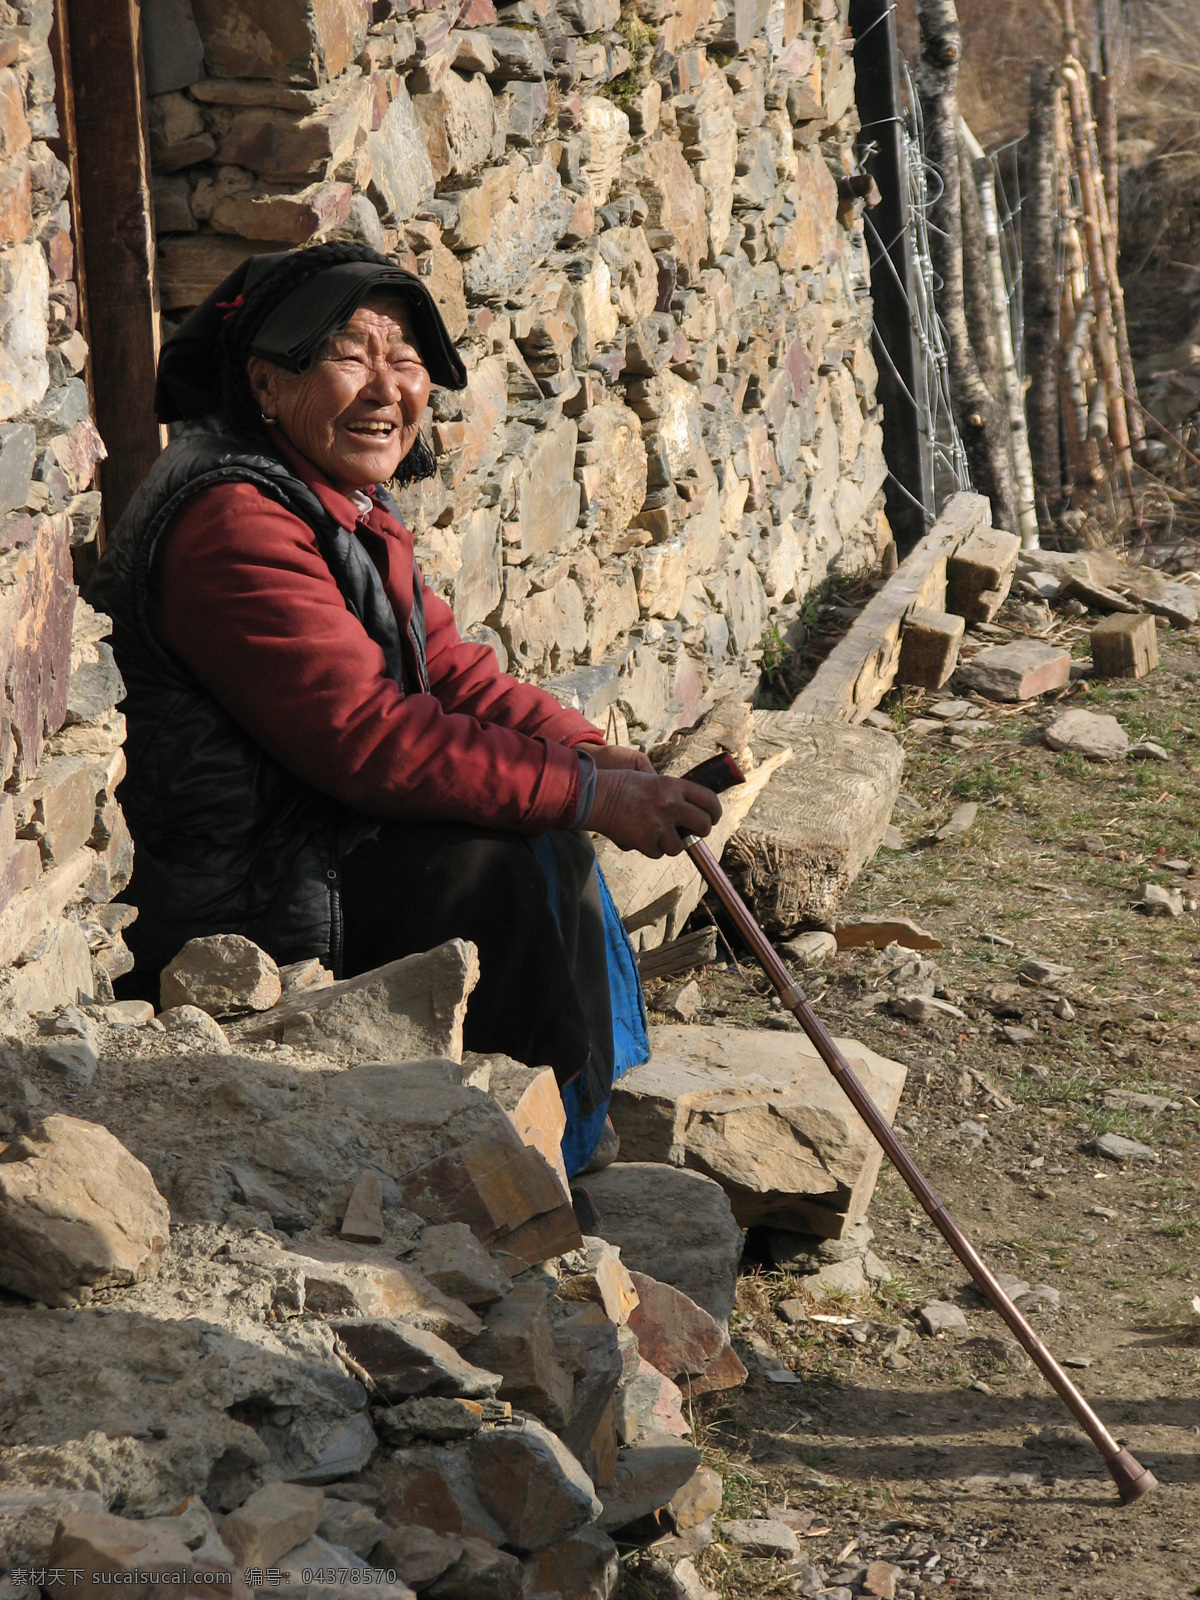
(267, 421)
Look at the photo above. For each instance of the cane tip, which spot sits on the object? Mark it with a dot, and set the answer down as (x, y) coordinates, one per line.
(1131, 1478)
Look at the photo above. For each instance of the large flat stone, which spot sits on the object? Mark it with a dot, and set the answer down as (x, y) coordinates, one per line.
(76, 1211)
(759, 1113)
(673, 1225)
(411, 1009)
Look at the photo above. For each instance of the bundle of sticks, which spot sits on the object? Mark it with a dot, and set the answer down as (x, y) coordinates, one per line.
(1085, 422)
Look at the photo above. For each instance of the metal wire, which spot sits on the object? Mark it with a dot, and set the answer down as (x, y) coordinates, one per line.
(946, 459)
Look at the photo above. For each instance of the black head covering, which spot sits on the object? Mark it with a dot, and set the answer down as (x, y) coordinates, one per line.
(310, 306)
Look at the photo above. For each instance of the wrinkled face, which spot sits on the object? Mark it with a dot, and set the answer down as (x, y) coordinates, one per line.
(356, 412)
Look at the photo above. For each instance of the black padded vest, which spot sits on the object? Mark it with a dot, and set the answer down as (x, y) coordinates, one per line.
(226, 839)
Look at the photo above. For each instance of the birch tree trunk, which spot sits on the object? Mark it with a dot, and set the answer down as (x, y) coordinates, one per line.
(1043, 293)
(983, 181)
(977, 288)
(981, 420)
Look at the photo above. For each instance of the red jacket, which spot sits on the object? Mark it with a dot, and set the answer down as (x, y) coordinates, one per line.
(244, 597)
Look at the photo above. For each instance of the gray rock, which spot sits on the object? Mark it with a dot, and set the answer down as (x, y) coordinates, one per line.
(942, 1316)
(1115, 1147)
(646, 1479)
(350, 1574)
(401, 175)
(1040, 1298)
(18, 450)
(1046, 973)
(1157, 901)
(673, 1225)
(837, 1278)
(1148, 750)
(760, 1536)
(221, 974)
(173, 48)
(408, 1010)
(95, 687)
(1131, 1100)
(77, 1211)
(1095, 736)
(532, 1484)
(811, 948)
(1018, 671)
(404, 1361)
(195, 1027)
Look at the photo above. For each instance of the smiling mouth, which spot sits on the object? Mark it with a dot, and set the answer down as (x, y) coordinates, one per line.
(377, 432)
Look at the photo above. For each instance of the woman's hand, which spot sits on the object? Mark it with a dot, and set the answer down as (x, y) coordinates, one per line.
(638, 810)
(616, 757)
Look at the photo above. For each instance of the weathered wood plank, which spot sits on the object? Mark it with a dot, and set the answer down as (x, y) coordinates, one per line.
(862, 667)
(818, 821)
(681, 955)
(115, 209)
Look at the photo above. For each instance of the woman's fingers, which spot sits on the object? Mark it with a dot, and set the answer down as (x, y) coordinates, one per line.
(641, 811)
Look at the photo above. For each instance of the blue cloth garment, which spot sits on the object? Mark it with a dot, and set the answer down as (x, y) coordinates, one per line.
(631, 1041)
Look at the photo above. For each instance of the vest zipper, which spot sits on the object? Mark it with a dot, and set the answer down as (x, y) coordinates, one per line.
(336, 929)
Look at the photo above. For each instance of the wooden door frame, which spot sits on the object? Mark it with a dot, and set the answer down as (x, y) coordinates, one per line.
(103, 138)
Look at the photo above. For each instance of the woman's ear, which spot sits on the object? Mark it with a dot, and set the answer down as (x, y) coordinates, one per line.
(264, 384)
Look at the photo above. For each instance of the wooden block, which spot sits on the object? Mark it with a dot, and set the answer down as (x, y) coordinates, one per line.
(980, 573)
(861, 667)
(819, 820)
(364, 1212)
(929, 646)
(1124, 646)
(1018, 671)
(697, 949)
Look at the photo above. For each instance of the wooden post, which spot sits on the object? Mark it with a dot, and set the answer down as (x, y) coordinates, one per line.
(977, 289)
(984, 183)
(115, 223)
(981, 420)
(1105, 167)
(1106, 342)
(1043, 292)
(906, 443)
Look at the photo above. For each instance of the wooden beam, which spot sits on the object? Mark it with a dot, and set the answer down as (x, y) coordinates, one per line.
(862, 667)
(114, 223)
(819, 820)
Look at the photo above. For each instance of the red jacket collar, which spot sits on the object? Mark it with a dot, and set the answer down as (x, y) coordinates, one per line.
(338, 505)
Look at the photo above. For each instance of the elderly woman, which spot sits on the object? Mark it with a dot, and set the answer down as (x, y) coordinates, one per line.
(317, 759)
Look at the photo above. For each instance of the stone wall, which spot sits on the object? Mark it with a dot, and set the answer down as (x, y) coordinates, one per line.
(64, 849)
(631, 218)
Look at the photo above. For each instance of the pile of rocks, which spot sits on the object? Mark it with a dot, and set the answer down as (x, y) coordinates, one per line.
(301, 1290)
(639, 226)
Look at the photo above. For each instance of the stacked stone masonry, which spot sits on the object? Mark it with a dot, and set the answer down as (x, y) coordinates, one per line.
(65, 852)
(630, 217)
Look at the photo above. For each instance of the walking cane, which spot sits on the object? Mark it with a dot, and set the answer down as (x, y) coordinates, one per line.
(1131, 1478)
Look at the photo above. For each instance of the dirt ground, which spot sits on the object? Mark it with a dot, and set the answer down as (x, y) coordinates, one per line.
(951, 1457)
